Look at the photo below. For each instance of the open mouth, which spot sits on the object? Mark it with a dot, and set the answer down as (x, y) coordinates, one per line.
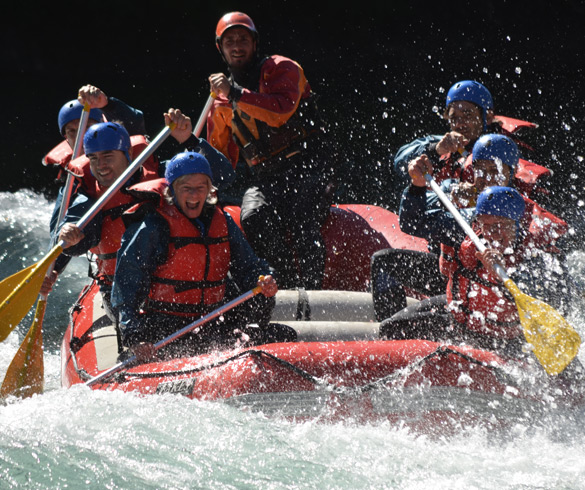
(192, 205)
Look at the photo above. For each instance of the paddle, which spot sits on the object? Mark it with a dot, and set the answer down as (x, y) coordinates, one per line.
(203, 117)
(25, 374)
(19, 291)
(189, 328)
(555, 342)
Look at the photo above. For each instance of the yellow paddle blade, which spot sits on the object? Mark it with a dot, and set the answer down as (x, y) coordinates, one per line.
(555, 341)
(25, 375)
(19, 292)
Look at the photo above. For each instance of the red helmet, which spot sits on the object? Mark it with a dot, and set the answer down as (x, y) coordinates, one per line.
(233, 19)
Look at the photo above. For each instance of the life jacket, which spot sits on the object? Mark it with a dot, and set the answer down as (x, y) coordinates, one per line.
(60, 155)
(258, 141)
(113, 226)
(448, 259)
(544, 227)
(192, 281)
(88, 183)
(479, 301)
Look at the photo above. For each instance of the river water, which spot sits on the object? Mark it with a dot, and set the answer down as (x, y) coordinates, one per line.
(78, 438)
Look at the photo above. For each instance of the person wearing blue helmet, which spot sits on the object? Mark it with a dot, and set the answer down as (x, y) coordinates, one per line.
(108, 148)
(494, 160)
(476, 308)
(181, 260)
(469, 110)
(102, 108)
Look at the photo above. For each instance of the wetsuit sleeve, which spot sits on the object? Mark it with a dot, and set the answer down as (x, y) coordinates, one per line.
(246, 267)
(434, 225)
(143, 248)
(282, 85)
(132, 119)
(79, 207)
(410, 151)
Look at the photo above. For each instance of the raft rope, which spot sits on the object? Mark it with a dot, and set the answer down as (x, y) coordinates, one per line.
(321, 383)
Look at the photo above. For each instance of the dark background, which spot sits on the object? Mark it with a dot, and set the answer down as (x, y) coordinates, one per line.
(379, 67)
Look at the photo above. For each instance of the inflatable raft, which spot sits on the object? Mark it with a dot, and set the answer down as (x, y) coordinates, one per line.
(337, 370)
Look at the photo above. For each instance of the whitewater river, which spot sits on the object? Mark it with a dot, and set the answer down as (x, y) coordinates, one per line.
(77, 438)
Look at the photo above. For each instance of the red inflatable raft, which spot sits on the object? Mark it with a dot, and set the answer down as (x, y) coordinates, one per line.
(337, 370)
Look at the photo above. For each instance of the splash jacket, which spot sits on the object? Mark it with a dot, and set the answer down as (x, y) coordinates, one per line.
(261, 122)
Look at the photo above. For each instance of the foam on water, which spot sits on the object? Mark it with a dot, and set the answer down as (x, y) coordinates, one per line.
(81, 438)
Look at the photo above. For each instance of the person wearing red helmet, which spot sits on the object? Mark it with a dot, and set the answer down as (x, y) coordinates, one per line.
(265, 120)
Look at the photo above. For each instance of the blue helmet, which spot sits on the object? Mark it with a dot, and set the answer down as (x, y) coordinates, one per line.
(496, 147)
(501, 201)
(106, 137)
(72, 110)
(471, 91)
(188, 162)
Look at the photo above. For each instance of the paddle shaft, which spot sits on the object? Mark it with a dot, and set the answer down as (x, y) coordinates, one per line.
(189, 328)
(68, 187)
(203, 117)
(461, 220)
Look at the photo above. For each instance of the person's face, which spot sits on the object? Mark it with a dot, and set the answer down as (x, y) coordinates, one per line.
(500, 232)
(238, 46)
(191, 193)
(107, 166)
(71, 128)
(487, 173)
(465, 118)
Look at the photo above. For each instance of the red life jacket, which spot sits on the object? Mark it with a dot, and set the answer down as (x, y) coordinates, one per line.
(448, 260)
(60, 155)
(113, 226)
(450, 167)
(80, 168)
(478, 300)
(544, 227)
(192, 280)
